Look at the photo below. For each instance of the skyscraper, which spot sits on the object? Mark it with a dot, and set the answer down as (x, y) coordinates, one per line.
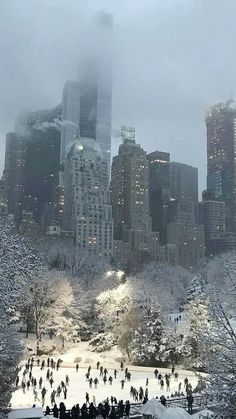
(130, 197)
(87, 104)
(221, 162)
(88, 211)
(32, 163)
(212, 216)
(70, 117)
(183, 181)
(159, 189)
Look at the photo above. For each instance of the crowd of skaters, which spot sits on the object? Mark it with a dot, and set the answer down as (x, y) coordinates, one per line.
(90, 409)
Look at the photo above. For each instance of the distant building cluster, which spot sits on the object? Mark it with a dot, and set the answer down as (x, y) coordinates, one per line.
(58, 179)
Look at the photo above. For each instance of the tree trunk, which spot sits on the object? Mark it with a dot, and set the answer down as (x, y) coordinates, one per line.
(37, 337)
(27, 328)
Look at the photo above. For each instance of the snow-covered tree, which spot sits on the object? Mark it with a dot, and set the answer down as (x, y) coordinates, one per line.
(198, 320)
(49, 300)
(10, 355)
(17, 264)
(147, 345)
(63, 319)
(220, 358)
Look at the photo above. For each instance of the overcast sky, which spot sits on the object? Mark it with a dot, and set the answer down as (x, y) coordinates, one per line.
(172, 59)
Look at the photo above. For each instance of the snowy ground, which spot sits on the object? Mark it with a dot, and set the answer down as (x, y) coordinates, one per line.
(78, 385)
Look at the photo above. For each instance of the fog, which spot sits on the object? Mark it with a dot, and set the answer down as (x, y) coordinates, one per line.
(171, 60)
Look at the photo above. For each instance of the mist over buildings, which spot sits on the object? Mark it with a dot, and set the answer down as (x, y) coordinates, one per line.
(171, 60)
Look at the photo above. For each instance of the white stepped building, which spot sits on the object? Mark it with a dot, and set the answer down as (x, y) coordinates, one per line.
(87, 199)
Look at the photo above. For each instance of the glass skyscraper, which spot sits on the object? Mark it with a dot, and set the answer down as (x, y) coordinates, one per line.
(87, 104)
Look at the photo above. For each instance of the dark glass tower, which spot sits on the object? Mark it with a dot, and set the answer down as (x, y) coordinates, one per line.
(159, 190)
(221, 157)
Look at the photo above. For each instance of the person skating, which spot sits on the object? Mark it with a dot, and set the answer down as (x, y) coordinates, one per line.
(43, 394)
(53, 395)
(163, 400)
(115, 373)
(98, 365)
(58, 391)
(162, 383)
(110, 379)
(146, 393)
(77, 367)
(95, 382)
(147, 381)
(90, 382)
(190, 400)
(140, 394)
(48, 374)
(28, 384)
(87, 397)
(48, 362)
(167, 384)
(67, 380)
(122, 384)
(51, 381)
(121, 366)
(127, 408)
(105, 379)
(23, 385)
(156, 373)
(176, 376)
(65, 392)
(55, 411)
(35, 393)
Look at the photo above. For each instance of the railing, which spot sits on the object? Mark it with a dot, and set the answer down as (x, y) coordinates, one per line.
(198, 401)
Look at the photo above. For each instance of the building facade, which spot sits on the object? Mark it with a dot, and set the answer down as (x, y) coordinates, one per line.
(70, 117)
(189, 240)
(130, 197)
(183, 181)
(87, 209)
(159, 190)
(221, 162)
(32, 163)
